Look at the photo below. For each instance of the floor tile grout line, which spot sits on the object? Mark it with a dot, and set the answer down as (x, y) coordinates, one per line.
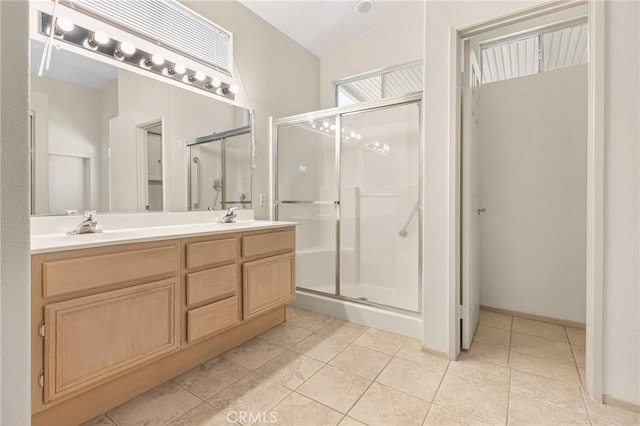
(112, 420)
(582, 384)
(586, 407)
(573, 356)
(183, 413)
(185, 389)
(368, 387)
(556, 361)
(508, 418)
(435, 394)
(509, 351)
(377, 375)
(319, 402)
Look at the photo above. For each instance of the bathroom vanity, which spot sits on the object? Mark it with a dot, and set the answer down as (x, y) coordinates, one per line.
(118, 313)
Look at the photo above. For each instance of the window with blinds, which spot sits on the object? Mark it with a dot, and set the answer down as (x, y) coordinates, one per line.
(390, 83)
(546, 50)
(170, 24)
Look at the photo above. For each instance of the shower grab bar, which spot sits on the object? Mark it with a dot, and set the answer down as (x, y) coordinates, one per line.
(235, 202)
(196, 161)
(403, 232)
(324, 203)
(373, 194)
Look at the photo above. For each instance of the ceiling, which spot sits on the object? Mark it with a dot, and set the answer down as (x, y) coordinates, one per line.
(323, 25)
(73, 68)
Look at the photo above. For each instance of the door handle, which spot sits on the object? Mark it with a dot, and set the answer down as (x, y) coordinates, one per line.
(481, 211)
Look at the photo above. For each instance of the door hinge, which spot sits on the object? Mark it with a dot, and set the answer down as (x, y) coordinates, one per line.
(41, 379)
(41, 329)
(460, 312)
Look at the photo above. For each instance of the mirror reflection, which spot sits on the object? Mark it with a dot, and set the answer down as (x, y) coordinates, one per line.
(107, 139)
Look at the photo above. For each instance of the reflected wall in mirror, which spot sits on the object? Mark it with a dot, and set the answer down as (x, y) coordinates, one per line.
(108, 139)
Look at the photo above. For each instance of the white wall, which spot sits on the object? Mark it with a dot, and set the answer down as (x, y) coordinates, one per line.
(396, 42)
(280, 77)
(621, 328)
(15, 330)
(74, 129)
(533, 183)
(622, 203)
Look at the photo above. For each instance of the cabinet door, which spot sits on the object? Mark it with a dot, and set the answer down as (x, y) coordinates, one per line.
(91, 339)
(268, 283)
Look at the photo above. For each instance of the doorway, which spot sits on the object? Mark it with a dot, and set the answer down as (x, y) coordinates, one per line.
(524, 167)
(150, 166)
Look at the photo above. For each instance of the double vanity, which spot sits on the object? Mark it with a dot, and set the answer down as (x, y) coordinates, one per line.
(119, 312)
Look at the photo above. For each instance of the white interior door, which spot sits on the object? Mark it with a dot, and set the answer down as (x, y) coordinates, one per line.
(68, 183)
(471, 207)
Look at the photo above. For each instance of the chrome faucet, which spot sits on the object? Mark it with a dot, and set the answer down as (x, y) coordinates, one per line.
(230, 216)
(88, 225)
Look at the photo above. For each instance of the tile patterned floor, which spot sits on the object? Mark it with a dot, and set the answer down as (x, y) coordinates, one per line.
(316, 370)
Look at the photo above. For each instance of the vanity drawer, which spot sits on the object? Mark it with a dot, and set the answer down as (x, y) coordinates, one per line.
(263, 244)
(216, 283)
(85, 273)
(211, 252)
(204, 321)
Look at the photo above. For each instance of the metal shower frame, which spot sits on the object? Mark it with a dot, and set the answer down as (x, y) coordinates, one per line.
(337, 113)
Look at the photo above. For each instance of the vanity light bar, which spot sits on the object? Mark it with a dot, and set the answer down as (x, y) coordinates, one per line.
(126, 52)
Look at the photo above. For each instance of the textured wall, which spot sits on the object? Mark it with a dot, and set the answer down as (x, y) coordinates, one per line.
(622, 203)
(15, 407)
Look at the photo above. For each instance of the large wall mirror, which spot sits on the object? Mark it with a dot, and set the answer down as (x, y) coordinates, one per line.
(107, 139)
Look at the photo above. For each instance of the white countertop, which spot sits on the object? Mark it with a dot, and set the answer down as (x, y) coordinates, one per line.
(45, 243)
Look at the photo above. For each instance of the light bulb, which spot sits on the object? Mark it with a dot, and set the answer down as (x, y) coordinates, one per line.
(200, 76)
(64, 24)
(234, 88)
(100, 37)
(353, 134)
(333, 127)
(358, 136)
(125, 48)
(179, 68)
(325, 124)
(157, 59)
(215, 82)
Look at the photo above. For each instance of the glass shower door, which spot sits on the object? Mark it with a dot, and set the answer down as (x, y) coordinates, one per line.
(306, 192)
(379, 198)
(205, 176)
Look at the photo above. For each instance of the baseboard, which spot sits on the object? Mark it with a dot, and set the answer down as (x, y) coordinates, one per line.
(434, 352)
(550, 320)
(606, 399)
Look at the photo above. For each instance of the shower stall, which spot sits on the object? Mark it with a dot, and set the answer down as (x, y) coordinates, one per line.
(220, 170)
(352, 177)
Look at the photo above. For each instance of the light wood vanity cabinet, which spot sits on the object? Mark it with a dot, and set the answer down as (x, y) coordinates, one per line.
(113, 322)
(92, 338)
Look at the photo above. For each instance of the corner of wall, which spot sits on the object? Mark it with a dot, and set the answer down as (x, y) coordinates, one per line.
(15, 405)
